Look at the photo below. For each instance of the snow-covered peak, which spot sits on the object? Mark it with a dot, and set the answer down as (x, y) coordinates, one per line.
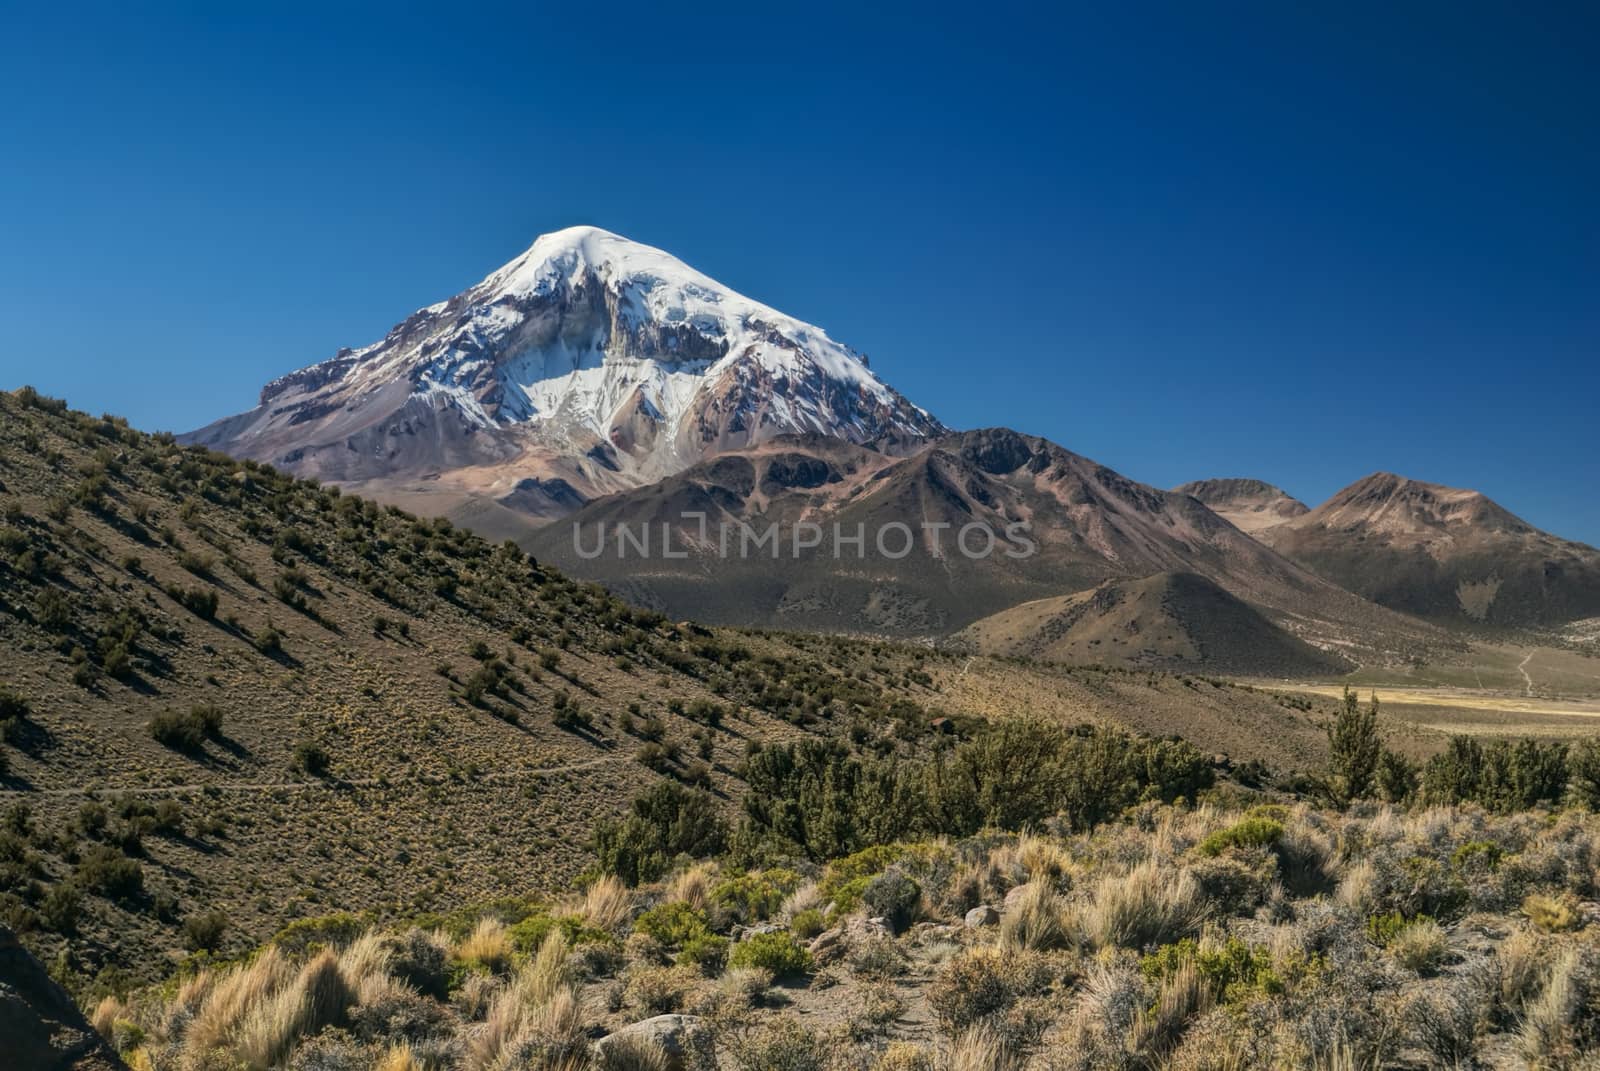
(659, 288)
(586, 346)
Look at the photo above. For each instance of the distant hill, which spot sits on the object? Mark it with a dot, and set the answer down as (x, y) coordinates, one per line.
(1168, 621)
(1089, 524)
(1444, 553)
(1249, 505)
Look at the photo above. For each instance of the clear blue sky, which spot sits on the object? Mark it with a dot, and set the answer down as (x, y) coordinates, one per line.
(1187, 240)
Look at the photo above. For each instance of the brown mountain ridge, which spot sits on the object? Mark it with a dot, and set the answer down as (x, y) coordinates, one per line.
(1089, 524)
(1446, 554)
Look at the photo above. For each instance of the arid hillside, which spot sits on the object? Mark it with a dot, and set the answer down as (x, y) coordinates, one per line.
(226, 690)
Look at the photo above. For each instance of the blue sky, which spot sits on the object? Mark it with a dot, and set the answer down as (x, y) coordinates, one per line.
(1187, 240)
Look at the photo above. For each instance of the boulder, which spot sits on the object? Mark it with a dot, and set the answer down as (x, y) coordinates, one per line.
(682, 1038)
(981, 916)
(827, 947)
(858, 930)
(1015, 896)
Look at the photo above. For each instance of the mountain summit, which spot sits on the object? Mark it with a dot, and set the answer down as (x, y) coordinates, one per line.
(1445, 553)
(1251, 505)
(588, 364)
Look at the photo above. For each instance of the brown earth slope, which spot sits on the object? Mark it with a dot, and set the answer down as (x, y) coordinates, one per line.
(1168, 621)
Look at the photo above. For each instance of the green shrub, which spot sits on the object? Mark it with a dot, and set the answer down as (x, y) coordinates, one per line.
(325, 931)
(779, 953)
(61, 907)
(1501, 776)
(1476, 854)
(664, 823)
(1235, 972)
(106, 871)
(754, 896)
(310, 758)
(204, 932)
(1583, 769)
(673, 924)
(706, 951)
(1382, 929)
(1354, 749)
(202, 602)
(528, 934)
(12, 705)
(893, 897)
(1249, 833)
(808, 923)
(186, 731)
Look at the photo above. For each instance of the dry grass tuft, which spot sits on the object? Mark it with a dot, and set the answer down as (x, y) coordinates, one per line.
(399, 1058)
(1183, 994)
(535, 1022)
(367, 957)
(232, 996)
(1552, 914)
(547, 973)
(1521, 962)
(693, 887)
(317, 997)
(488, 945)
(1038, 921)
(1546, 1018)
(1422, 946)
(1045, 861)
(977, 1049)
(1147, 905)
(105, 1016)
(633, 1052)
(607, 904)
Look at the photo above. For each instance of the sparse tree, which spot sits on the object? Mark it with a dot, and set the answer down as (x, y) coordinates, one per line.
(1354, 748)
(1397, 776)
(1583, 768)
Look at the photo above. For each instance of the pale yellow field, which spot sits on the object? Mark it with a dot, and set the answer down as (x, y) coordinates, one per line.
(1494, 691)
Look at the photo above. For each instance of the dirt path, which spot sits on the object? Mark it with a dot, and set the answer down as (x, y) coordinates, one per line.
(280, 786)
(1522, 668)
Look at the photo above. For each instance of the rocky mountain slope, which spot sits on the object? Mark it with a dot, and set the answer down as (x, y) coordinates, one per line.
(1086, 524)
(1168, 621)
(588, 364)
(1249, 505)
(40, 1026)
(1443, 553)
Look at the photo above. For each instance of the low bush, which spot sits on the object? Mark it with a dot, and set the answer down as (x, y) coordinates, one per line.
(186, 731)
(204, 932)
(106, 871)
(1257, 832)
(893, 897)
(1552, 914)
(779, 953)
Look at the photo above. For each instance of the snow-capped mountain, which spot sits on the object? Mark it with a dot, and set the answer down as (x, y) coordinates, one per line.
(588, 364)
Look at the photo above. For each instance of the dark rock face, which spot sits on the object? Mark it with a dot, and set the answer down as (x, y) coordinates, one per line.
(41, 1029)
